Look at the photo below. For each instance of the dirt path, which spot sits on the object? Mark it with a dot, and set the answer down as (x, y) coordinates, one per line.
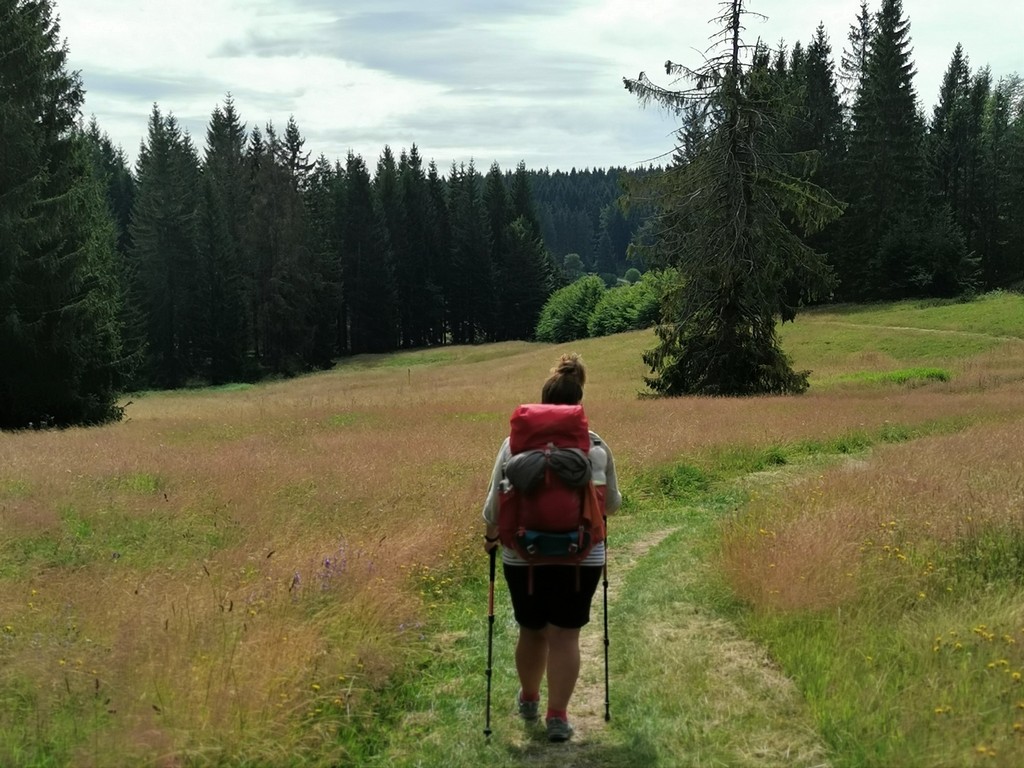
(588, 701)
(752, 689)
(940, 331)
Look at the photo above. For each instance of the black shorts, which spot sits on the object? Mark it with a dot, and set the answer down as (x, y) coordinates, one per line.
(555, 599)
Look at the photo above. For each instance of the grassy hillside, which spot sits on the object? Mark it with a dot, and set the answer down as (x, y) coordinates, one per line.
(291, 572)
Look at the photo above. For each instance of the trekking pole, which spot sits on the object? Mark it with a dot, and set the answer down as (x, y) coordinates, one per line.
(490, 638)
(607, 702)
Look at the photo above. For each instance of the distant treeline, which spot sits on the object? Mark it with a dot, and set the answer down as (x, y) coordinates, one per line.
(252, 259)
(581, 216)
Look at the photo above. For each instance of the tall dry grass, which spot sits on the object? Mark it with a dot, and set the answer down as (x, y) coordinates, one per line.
(891, 587)
(231, 572)
(902, 516)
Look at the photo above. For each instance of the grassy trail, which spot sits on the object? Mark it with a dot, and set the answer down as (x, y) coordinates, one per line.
(594, 743)
(686, 689)
(913, 329)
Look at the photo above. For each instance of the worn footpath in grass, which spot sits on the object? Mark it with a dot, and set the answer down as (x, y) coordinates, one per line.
(995, 314)
(902, 342)
(685, 687)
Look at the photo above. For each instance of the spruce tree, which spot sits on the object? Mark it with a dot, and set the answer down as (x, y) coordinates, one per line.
(497, 212)
(521, 200)
(1001, 212)
(60, 279)
(112, 166)
(419, 290)
(822, 109)
(978, 101)
(165, 252)
(368, 281)
(953, 144)
(947, 134)
(439, 255)
(323, 212)
(471, 290)
(1011, 261)
(528, 283)
(895, 243)
(284, 276)
(225, 276)
(604, 256)
(720, 223)
(497, 209)
(393, 246)
(817, 128)
(292, 154)
(854, 60)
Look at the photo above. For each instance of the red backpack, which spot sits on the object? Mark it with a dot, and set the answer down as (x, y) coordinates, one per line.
(550, 511)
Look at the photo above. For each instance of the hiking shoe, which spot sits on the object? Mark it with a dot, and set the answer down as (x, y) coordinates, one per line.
(528, 710)
(559, 729)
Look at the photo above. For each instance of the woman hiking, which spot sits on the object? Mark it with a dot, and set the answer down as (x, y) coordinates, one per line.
(551, 602)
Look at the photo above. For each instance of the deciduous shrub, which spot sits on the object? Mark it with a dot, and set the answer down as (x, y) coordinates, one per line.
(566, 314)
(629, 307)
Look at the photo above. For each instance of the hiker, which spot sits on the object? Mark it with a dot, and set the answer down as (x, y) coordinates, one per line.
(552, 602)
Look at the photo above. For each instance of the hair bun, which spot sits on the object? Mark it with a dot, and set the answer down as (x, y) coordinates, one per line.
(565, 384)
(571, 365)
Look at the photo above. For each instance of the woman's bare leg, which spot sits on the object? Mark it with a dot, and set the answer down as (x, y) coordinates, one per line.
(563, 665)
(531, 660)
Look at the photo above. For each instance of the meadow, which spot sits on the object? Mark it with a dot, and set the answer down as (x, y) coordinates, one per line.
(291, 573)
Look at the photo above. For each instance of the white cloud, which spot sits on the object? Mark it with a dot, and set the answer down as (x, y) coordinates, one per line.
(490, 80)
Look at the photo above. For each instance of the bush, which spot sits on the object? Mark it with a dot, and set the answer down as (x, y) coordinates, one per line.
(566, 314)
(616, 312)
(627, 308)
(587, 308)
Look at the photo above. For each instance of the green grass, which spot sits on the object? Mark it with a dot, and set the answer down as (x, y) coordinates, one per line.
(688, 685)
(910, 334)
(817, 343)
(352, 419)
(115, 535)
(144, 483)
(921, 689)
(905, 376)
(196, 390)
(666, 692)
(994, 314)
(14, 489)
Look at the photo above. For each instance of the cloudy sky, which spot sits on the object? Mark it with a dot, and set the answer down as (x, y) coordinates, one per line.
(482, 80)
